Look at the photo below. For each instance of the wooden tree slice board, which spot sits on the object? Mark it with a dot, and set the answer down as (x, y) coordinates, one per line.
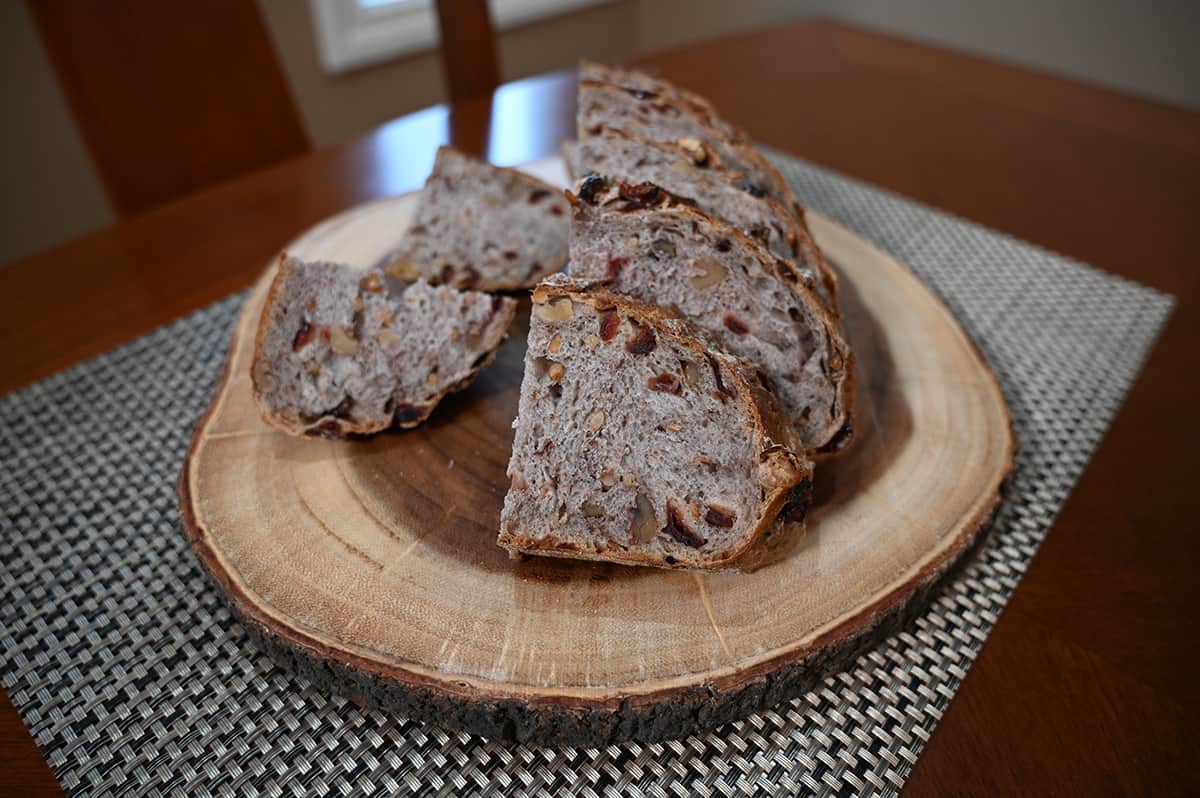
(371, 566)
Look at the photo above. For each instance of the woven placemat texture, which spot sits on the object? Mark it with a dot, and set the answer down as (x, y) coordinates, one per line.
(134, 679)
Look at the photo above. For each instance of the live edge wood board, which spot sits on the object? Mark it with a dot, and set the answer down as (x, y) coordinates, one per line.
(370, 566)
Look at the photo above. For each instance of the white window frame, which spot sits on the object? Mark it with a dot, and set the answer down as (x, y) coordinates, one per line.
(350, 36)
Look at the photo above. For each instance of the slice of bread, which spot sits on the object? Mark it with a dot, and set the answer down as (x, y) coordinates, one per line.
(482, 227)
(693, 172)
(647, 84)
(643, 241)
(638, 442)
(662, 118)
(343, 351)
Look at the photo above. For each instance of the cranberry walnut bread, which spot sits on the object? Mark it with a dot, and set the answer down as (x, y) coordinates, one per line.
(637, 442)
(657, 110)
(645, 242)
(640, 82)
(653, 109)
(344, 351)
(688, 171)
(482, 227)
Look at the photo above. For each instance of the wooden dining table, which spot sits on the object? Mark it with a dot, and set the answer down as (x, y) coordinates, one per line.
(1085, 686)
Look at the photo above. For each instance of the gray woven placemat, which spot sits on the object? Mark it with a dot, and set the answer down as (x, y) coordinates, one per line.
(134, 679)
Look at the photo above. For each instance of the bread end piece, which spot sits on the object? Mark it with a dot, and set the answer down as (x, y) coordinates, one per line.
(341, 351)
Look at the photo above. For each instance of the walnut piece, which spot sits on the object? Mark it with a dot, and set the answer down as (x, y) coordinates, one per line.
(595, 422)
(645, 525)
(371, 284)
(555, 310)
(555, 371)
(388, 339)
(342, 342)
(592, 510)
(402, 269)
(693, 148)
(712, 271)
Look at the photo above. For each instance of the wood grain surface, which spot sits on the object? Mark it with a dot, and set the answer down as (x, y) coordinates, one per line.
(1086, 685)
(379, 556)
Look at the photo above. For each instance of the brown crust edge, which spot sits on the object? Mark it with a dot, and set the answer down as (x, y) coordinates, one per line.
(554, 721)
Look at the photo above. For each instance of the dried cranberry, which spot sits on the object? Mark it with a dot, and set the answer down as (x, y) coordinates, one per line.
(638, 196)
(723, 390)
(328, 428)
(752, 189)
(614, 266)
(643, 344)
(537, 195)
(719, 516)
(609, 324)
(678, 529)
(735, 325)
(798, 501)
(592, 185)
(303, 336)
(665, 383)
(405, 413)
(343, 409)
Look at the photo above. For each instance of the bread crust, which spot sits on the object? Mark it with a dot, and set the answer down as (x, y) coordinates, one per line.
(782, 466)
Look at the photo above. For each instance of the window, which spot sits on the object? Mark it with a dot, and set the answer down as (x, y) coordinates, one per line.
(356, 33)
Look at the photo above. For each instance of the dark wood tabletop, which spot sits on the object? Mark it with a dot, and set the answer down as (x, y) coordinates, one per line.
(1086, 685)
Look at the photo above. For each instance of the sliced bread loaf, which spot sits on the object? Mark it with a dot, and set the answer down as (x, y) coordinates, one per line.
(690, 172)
(482, 227)
(343, 351)
(659, 118)
(651, 85)
(638, 442)
(652, 245)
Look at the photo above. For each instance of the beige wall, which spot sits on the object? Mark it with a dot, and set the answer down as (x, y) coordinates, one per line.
(1138, 46)
(50, 193)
